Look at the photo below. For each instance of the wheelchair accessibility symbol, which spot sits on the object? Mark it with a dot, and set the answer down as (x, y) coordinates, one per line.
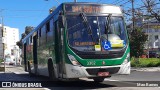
(107, 45)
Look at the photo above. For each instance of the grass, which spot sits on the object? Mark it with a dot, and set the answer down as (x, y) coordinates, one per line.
(145, 62)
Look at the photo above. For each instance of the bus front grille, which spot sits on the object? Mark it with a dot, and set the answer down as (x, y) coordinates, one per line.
(94, 71)
(100, 56)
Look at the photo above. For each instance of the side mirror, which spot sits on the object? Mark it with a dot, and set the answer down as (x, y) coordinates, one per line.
(61, 20)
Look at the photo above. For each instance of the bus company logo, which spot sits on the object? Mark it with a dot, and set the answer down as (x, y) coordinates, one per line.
(6, 84)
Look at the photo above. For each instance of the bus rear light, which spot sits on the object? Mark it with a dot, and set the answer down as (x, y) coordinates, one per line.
(73, 60)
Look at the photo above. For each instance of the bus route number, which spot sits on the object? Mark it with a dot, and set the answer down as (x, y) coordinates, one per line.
(91, 62)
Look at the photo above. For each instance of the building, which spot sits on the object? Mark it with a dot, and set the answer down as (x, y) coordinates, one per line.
(8, 43)
(152, 28)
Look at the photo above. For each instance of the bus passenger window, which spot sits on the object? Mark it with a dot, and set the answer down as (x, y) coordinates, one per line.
(31, 39)
(37, 35)
(40, 33)
(47, 27)
(37, 38)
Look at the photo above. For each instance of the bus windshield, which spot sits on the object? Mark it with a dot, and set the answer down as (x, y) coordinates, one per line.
(85, 32)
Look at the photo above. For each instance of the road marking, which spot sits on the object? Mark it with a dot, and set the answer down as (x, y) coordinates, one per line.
(21, 72)
(106, 79)
(86, 79)
(46, 89)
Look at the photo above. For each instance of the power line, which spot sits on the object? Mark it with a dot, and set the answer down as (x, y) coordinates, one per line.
(57, 1)
(125, 3)
(119, 2)
(27, 10)
(54, 0)
(115, 1)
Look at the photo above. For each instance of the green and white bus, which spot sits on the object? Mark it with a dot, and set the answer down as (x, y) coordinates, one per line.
(79, 40)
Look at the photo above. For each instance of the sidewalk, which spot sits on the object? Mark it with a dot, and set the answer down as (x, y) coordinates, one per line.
(15, 69)
(148, 69)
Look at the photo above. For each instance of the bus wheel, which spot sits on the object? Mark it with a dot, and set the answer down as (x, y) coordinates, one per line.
(51, 70)
(29, 70)
(98, 79)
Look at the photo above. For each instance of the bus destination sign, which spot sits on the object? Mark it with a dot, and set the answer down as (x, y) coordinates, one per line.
(92, 8)
(86, 9)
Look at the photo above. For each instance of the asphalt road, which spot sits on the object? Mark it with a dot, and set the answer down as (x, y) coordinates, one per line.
(116, 82)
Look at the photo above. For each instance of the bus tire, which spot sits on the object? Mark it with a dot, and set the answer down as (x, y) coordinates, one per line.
(98, 79)
(51, 70)
(29, 70)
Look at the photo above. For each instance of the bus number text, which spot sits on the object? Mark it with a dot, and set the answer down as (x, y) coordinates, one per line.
(91, 63)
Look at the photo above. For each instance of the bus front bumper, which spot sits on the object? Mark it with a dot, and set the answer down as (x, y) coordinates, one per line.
(86, 72)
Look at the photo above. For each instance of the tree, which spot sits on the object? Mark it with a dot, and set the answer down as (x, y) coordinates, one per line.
(137, 42)
(28, 29)
(151, 6)
(19, 43)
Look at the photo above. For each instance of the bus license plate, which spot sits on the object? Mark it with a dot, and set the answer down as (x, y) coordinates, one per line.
(103, 73)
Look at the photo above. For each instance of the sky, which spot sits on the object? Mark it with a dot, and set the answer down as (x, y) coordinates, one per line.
(22, 13)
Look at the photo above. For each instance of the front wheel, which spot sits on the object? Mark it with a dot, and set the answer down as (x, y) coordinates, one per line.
(51, 71)
(98, 79)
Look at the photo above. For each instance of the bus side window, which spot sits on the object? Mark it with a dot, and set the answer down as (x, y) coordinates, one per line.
(43, 35)
(37, 38)
(31, 39)
(27, 45)
(49, 31)
(40, 30)
(53, 28)
(47, 27)
(55, 32)
(50, 34)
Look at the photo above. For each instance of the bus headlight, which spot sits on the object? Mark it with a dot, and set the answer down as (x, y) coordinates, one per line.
(73, 60)
(126, 59)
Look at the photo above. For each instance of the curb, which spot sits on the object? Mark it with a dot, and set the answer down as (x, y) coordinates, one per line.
(150, 69)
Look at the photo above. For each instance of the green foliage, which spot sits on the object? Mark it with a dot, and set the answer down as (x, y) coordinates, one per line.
(137, 42)
(23, 35)
(28, 29)
(145, 62)
(19, 43)
(134, 62)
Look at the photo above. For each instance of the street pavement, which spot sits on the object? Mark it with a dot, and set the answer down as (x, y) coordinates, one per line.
(11, 68)
(137, 74)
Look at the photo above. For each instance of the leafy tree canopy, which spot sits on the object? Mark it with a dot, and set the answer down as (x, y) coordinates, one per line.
(137, 42)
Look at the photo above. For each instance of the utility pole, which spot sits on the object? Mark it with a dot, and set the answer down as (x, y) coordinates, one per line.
(133, 17)
(3, 39)
(75, 0)
(148, 37)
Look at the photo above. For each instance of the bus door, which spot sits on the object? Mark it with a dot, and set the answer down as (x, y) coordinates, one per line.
(25, 59)
(59, 50)
(35, 54)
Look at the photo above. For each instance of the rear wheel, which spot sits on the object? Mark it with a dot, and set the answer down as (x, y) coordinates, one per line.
(29, 70)
(51, 70)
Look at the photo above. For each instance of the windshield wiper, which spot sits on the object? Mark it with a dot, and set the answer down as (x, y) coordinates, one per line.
(87, 25)
(107, 25)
